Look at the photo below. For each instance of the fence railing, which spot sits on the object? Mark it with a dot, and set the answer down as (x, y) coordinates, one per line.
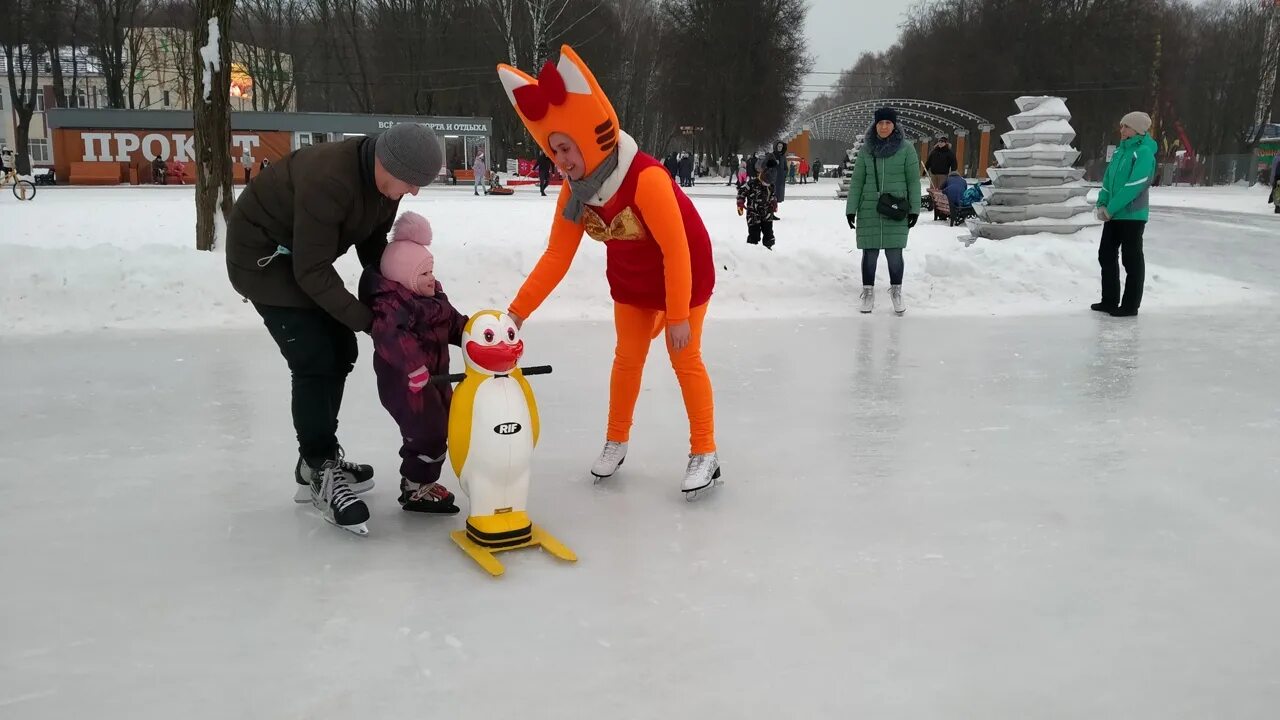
(1229, 169)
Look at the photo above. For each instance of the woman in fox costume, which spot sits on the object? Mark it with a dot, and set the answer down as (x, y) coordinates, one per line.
(659, 263)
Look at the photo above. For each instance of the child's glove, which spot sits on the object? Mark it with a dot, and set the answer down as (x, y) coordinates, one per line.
(740, 210)
(418, 379)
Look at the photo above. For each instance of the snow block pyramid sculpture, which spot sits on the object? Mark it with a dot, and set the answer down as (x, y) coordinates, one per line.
(1034, 188)
(842, 191)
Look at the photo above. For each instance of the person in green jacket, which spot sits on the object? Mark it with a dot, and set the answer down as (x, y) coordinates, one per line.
(886, 164)
(1123, 206)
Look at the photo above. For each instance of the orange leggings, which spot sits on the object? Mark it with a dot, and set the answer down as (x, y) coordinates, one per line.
(637, 327)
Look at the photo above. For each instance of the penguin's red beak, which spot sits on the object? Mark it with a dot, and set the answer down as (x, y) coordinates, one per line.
(498, 359)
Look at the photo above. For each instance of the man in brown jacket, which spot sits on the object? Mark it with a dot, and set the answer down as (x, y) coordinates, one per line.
(284, 235)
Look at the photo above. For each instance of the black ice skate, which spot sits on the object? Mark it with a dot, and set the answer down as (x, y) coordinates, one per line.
(358, 477)
(333, 497)
(432, 498)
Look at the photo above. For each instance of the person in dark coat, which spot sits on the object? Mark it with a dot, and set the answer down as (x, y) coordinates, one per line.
(283, 237)
(817, 169)
(413, 326)
(940, 163)
(686, 170)
(543, 163)
(780, 172)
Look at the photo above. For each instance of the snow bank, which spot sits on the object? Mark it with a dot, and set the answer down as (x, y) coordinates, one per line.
(86, 258)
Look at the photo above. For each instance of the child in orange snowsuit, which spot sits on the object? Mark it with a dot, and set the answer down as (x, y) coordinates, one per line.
(659, 263)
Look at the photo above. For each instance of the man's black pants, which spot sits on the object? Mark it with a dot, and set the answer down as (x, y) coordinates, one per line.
(321, 353)
(1123, 237)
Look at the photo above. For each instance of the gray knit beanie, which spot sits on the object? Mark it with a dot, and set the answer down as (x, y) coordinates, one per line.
(411, 153)
(1139, 121)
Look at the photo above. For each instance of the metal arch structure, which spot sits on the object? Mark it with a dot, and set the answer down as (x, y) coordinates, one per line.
(926, 126)
(915, 129)
(924, 119)
(928, 105)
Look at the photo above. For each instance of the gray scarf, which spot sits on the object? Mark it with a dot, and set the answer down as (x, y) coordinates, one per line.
(588, 186)
(884, 147)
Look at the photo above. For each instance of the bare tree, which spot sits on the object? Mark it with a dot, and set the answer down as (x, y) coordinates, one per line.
(22, 64)
(733, 69)
(178, 43)
(530, 29)
(53, 27)
(635, 87)
(273, 46)
(111, 43)
(344, 29)
(213, 121)
(77, 36)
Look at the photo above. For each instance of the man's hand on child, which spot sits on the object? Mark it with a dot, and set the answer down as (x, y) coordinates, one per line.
(679, 334)
(418, 379)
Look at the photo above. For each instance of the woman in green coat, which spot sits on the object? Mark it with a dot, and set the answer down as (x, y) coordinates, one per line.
(887, 163)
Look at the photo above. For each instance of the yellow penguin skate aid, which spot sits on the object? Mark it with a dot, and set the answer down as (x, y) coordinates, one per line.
(493, 428)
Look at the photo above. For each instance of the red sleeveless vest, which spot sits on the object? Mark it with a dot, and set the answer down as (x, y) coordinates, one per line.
(634, 263)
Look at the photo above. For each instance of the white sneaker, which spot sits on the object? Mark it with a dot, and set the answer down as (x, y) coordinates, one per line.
(703, 470)
(895, 294)
(611, 458)
(868, 298)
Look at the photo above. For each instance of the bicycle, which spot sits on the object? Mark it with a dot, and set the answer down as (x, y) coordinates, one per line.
(22, 189)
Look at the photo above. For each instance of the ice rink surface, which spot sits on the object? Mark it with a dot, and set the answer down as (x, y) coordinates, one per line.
(923, 517)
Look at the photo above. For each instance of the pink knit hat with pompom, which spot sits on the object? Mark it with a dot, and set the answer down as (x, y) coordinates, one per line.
(407, 259)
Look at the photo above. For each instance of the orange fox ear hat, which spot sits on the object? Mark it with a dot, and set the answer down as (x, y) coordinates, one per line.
(565, 98)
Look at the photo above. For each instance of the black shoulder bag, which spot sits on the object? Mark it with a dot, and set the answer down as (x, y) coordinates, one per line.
(891, 206)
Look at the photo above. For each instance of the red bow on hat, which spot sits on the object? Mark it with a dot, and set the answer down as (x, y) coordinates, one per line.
(535, 100)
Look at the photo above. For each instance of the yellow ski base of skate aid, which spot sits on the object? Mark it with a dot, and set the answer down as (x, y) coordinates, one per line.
(508, 531)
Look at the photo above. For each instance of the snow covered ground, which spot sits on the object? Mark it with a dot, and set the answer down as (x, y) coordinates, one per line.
(80, 259)
(999, 506)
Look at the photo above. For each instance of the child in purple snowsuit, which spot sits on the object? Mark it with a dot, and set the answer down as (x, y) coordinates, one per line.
(413, 327)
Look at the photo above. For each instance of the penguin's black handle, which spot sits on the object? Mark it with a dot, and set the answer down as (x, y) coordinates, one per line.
(458, 377)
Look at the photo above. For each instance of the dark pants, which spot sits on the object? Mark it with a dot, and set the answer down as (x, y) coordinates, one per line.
(892, 256)
(320, 352)
(543, 182)
(1123, 237)
(423, 418)
(754, 232)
